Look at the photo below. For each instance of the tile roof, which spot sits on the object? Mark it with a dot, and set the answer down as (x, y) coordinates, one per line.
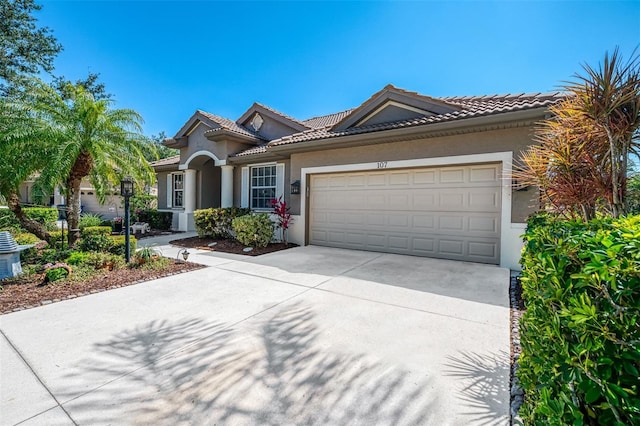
(230, 125)
(326, 120)
(252, 151)
(471, 107)
(283, 115)
(166, 161)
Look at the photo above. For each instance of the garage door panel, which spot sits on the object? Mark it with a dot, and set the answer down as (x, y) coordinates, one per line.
(448, 212)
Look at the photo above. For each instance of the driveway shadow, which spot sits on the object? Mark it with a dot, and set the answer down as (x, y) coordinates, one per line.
(275, 373)
(484, 380)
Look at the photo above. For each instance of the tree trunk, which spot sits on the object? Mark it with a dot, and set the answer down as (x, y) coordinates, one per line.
(35, 227)
(81, 168)
(616, 203)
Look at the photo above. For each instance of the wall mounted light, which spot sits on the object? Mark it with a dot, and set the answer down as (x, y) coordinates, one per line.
(295, 188)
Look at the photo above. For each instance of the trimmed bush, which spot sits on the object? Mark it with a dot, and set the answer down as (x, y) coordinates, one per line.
(77, 258)
(96, 238)
(26, 238)
(217, 223)
(580, 334)
(254, 230)
(117, 245)
(45, 215)
(155, 219)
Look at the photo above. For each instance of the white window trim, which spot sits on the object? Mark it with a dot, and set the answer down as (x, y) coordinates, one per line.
(245, 195)
(171, 191)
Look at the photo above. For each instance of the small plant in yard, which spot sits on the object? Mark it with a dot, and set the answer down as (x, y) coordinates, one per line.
(284, 219)
(56, 272)
(254, 230)
(145, 255)
(89, 219)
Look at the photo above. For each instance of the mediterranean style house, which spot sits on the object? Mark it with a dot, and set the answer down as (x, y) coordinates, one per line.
(401, 173)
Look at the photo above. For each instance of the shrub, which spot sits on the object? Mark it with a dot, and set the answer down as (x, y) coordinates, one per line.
(283, 216)
(56, 272)
(580, 334)
(145, 255)
(56, 239)
(96, 238)
(89, 220)
(104, 261)
(155, 219)
(217, 222)
(45, 215)
(53, 256)
(117, 243)
(25, 238)
(255, 230)
(77, 258)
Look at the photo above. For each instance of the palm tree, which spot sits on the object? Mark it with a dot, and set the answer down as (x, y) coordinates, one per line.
(609, 96)
(85, 137)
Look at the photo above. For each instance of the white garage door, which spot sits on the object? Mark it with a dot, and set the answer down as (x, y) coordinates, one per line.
(444, 212)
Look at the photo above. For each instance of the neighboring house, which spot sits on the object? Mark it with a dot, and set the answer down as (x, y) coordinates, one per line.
(401, 173)
(111, 207)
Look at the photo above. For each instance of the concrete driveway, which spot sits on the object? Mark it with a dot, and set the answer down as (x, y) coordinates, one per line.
(310, 335)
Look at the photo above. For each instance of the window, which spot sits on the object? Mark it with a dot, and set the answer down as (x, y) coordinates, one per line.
(178, 189)
(263, 186)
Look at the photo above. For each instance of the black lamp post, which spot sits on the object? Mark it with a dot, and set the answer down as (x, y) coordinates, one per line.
(126, 190)
(62, 217)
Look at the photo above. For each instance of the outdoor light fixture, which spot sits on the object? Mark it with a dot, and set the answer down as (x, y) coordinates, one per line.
(62, 217)
(185, 254)
(295, 188)
(126, 187)
(126, 190)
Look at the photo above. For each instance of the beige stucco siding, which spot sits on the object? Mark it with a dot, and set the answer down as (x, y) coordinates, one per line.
(509, 140)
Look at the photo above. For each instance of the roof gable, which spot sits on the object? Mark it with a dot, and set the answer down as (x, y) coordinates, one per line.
(279, 120)
(392, 104)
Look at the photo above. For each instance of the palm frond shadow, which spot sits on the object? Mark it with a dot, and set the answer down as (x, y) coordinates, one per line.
(484, 381)
(196, 372)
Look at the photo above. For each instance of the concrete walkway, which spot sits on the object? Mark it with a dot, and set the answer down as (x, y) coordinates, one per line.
(309, 335)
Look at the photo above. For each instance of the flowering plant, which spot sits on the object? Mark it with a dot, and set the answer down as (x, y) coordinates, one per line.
(284, 219)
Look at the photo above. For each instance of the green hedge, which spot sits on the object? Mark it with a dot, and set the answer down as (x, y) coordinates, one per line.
(117, 245)
(254, 230)
(580, 333)
(48, 216)
(217, 222)
(155, 219)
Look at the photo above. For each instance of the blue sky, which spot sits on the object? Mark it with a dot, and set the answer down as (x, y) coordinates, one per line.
(166, 59)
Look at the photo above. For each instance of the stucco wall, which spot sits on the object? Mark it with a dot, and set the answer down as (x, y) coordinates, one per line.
(209, 186)
(513, 140)
(272, 129)
(161, 178)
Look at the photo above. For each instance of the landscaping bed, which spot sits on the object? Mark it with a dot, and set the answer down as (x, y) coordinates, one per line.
(229, 246)
(27, 291)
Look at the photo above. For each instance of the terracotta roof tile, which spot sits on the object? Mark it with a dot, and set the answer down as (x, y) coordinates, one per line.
(252, 151)
(326, 120)
(230, 125)
(166, 161)
(283, 115)
(471, 106)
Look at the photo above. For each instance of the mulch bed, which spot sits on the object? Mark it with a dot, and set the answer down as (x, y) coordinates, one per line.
(229, 246)
(29, 293)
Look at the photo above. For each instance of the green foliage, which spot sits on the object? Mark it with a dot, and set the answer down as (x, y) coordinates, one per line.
(25, 48)
(25, 238)
(633, 194)
(53, 256)
(44, 215)
(56, 240)
(117, 244)
(254, 230)
(77, 258)
(580, 334)
(145, 255)
(89, 219)
(217, 222)
(56, 274)
(96, 238)
(98, 260)
(141, 202)
(155, 219)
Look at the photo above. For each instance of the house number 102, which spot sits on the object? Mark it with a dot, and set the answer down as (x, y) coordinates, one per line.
(382, 164)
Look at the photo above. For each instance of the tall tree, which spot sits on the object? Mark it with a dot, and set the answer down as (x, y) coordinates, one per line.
(160, 151)
(90, 84)
(25, 48)
(85, 138)
(581, 162)
(609, 97)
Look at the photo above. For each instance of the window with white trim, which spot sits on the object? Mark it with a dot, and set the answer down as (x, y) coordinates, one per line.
(263, 186)
(177, 187)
